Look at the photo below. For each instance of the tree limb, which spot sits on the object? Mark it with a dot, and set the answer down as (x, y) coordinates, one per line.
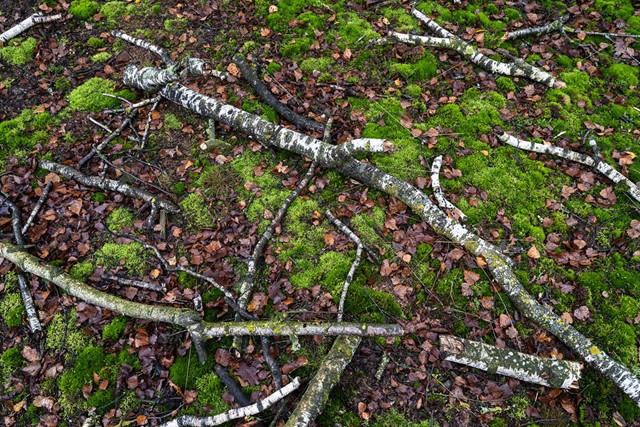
(35, 19)
(443, 202)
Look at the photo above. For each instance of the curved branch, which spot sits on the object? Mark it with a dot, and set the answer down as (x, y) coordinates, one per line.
(443, 202)
(498, 264)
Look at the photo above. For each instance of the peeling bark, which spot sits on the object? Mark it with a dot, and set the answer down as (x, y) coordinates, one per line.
(448, 40)
(584, 159)
(234, 414)
(107, 184)
(547, 372)
(498, 264)
(29, 22)
(328, 375)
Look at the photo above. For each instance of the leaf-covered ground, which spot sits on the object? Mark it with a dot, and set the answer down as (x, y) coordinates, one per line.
(572, 234)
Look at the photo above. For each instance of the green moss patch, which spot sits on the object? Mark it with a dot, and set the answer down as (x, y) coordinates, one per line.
(84, 9)
(19, 52)
(88, 96)
(196, 211)
(62, 333)
(131, 256)
(118, 219)
(12, 309)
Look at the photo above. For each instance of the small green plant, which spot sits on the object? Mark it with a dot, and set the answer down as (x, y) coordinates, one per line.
(131, 256)
(171, 122)
(19, 52)
(12, 309)
(115, 328)
(118, 219)
(113, 10)
(185, 370)
(210, 390)
(316, 64)
(10, 361)
(88, 96)
(101, 57)
(95, 42)
(82, 270)
(62, 333)
(90, 360)
(174, 25)
(196, 210)
(622, 75)
(84, 9)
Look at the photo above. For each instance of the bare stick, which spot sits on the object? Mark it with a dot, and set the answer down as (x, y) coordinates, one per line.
(303, 123)
(23, 26)
(234, 414)
(556, 25)
(163, 54)
(108, 139)
(107, 184)
(29, 306)
(547, 372)
(148, 124)
(37, 207)
(443, 202)
(355, 239)
(595, 33)
(448, 40)
(136, 283)
(584, 159)
(231, 384)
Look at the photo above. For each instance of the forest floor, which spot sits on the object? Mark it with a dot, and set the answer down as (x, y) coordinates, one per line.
(572, 234)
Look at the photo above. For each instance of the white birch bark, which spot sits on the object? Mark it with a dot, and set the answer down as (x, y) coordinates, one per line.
(547, 372)
(234, 414)
(443, 202)
(498, 264)
(29, 22)
(599, 165)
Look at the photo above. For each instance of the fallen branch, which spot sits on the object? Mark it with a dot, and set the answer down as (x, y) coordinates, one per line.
(136, 283)
(574, 156)
(234, 414)
(547, 372)
(556, 25)
(35, 19)
(499, 265)
(37, 207)
(303, 123)
(108, 139)
(106, 184)
(27, 300)
(443, 202)
(187, 318)
(448, 40)
(313, 401)
(163, 54)
(356, 262)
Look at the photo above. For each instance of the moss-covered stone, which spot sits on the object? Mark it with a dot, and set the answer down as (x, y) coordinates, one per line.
(84, 9)
(19, 52)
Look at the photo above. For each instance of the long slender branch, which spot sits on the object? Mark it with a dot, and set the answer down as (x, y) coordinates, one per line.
(29, 22)
(443, 202)
(27, 300)
(499, 265)
(106, 184)
(37, 207)
(303, 123)
(184, 317)
(448, 40)
(163, 54)
(234, 414)
(584, 159)
(550, 27)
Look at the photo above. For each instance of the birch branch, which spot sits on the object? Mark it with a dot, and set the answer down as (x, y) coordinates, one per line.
(136, 283)
(556, 25)
(499, 265)
(106, 184)
(234, 414)
(29, 22)
(163, 54)
(443, 202)
(184, 317)
(445, 39)
(547, 372)
(599, 165)
(303, 123)
(27, 300)
(328, 375)
(37, 207)
(356, 262)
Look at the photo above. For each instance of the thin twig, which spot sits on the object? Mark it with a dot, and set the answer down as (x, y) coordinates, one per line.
(37, 207)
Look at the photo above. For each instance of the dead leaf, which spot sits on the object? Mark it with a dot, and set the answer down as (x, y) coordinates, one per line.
(471, 277)
(533, 252)
(233, 70)
(582, 313)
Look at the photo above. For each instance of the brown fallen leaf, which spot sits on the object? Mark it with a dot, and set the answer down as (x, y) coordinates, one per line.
(533, 252)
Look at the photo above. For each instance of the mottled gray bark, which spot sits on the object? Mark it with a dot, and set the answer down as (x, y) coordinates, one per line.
(145, 45)
(550, 27)
(327, 155)
(584, 159)
(548, 372)
(37, 207)
(234, 414)
(184, 317)
(448, 40)
(23, 26)
(328, 375)
(107, 184)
